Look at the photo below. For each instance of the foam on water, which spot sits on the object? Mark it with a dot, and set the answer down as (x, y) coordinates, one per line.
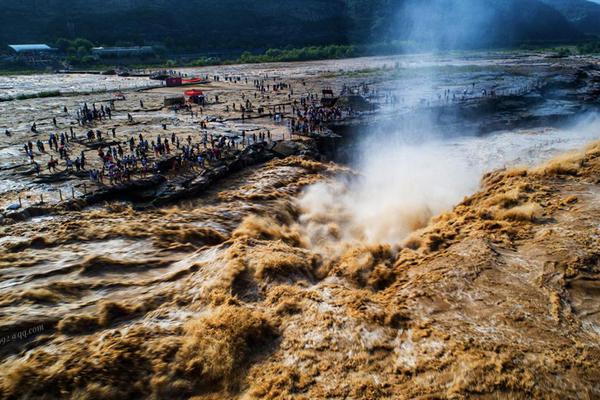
(402, 185)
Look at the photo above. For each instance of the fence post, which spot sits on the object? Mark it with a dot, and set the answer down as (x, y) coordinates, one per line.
(41, 198)
(60, 194)
(72, 192)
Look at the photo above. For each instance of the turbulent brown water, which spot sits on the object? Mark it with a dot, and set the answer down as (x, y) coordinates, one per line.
(301, 279)
(235, 295)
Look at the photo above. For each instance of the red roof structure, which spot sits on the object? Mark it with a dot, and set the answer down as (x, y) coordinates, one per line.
(192, 80)
(194, 93)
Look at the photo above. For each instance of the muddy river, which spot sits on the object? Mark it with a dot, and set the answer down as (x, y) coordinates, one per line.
(288, 274)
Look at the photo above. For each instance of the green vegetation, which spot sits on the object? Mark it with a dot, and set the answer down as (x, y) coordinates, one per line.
(301, 54)
(311, 53)
(78, 51)
(592, 47)
(563, 52)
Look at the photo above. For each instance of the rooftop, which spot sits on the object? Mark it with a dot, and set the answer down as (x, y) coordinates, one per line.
(19, 48)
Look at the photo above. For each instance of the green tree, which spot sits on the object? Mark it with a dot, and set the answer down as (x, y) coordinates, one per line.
(79, 42)
(63, 44)
(82, 51)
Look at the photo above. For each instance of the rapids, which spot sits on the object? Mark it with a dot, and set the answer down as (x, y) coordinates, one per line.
(185, 299)
(435, 266)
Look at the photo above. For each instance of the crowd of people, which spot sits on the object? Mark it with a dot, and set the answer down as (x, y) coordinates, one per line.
(311, 118)
(122, 158)
(85, 115)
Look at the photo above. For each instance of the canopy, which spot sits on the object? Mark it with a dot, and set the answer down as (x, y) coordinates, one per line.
(192, 80)
(194, 92)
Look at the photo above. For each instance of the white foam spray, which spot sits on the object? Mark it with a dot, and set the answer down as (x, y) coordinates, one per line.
(402, 186)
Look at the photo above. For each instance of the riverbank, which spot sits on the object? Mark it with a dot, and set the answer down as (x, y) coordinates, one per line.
(529, 90)
(160, 190)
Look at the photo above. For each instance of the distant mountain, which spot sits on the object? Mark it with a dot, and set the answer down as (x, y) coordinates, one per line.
(475, 23)
(583, 14)
(186, 25)
(220, 25)
(460, 23)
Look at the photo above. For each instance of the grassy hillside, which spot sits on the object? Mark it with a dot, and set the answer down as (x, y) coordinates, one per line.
(182, 25)
(217, 25)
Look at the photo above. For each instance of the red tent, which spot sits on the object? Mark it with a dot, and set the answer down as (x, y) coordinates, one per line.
(194, 93)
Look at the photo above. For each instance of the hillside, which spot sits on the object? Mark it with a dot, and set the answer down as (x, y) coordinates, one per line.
(480, 23)
(182, 25)
(218, 25)
(583, 14)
